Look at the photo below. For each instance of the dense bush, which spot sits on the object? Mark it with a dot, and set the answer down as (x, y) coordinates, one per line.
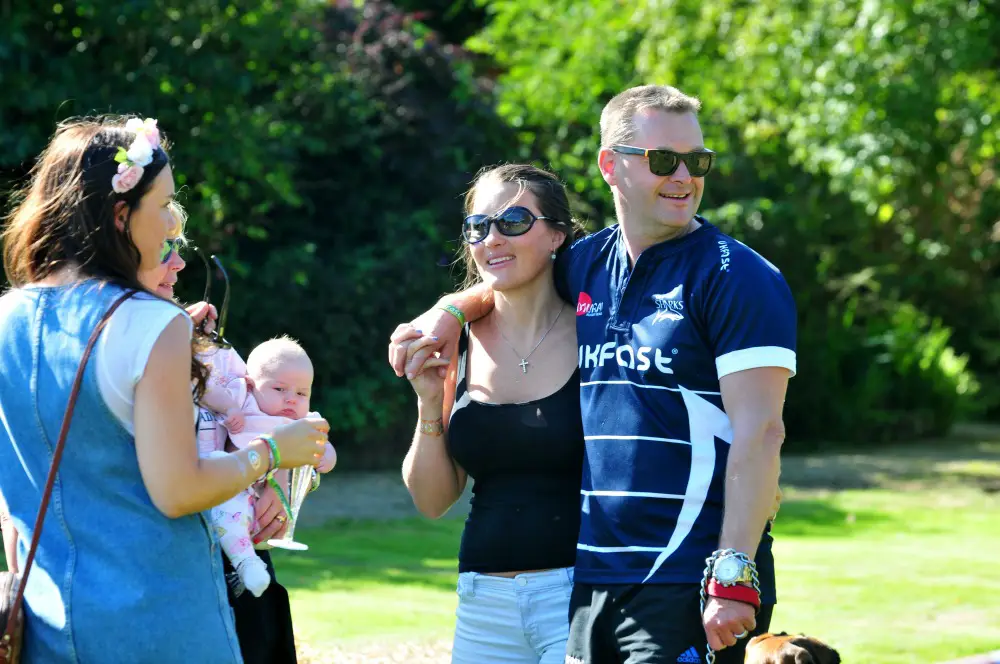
(396, 129)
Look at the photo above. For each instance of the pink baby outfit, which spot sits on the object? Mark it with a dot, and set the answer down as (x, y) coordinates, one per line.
(228, 373)
(233, 520)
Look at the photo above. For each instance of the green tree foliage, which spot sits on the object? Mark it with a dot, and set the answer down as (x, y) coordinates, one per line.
(321, 151)
(454, 20)
(859, 144)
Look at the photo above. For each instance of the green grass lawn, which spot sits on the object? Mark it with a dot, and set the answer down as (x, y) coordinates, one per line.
(897, 567)
(373, 579)
(886, 577)
(897, 572)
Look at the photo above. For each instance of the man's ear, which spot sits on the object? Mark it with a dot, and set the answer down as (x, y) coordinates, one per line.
(606, 163)
(121, 215)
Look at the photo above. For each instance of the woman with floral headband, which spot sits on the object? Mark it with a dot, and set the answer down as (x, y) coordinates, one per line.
(263, 624)
(126, 567)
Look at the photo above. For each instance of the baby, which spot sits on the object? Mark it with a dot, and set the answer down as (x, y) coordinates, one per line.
(249, 400)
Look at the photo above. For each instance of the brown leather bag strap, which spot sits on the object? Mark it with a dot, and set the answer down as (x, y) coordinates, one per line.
(56, 458)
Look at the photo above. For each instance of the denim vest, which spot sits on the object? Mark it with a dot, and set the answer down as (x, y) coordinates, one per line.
(114, 580)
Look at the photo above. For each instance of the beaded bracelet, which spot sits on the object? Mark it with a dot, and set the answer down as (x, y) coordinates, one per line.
(275, 453)
(454, 311)
(273, 483)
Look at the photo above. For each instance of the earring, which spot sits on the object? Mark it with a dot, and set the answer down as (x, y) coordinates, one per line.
(553, 255)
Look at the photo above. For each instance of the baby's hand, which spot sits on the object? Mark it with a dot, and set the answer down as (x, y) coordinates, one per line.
(234, 421)
(329, 459)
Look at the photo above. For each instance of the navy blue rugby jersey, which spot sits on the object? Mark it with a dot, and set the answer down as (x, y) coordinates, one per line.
(654, 340)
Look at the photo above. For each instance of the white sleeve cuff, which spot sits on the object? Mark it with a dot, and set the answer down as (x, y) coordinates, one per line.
(754, 358)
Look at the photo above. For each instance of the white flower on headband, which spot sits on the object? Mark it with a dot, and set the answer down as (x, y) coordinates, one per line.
(132, 162)
(145, 128)
(140, 152)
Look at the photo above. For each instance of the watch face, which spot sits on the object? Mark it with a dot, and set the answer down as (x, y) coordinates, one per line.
(727, 570)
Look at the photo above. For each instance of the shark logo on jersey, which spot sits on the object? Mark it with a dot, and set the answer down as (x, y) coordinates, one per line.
(670, 305)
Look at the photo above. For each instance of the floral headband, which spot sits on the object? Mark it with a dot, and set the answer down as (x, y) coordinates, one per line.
(131, 162)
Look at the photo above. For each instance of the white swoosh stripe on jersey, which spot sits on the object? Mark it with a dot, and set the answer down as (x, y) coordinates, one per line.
(633, 494)
(706, 423)
(642, 385)
(652, 438)
(616, 549)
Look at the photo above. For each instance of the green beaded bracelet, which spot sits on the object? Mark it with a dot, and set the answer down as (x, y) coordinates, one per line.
(275, 453)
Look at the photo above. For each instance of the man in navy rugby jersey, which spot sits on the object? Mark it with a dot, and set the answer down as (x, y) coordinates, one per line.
(686, 344)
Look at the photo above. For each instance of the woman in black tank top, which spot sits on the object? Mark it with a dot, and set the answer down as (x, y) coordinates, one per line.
(508, 415)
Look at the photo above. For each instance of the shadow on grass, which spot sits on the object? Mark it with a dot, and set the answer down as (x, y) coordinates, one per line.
(819, 518)
(938, 463)
(352, 554)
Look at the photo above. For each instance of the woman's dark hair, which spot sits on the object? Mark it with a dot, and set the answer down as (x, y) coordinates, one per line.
(547, 190)
(65, 214)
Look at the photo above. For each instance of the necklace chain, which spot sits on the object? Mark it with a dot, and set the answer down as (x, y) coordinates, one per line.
(524, 360)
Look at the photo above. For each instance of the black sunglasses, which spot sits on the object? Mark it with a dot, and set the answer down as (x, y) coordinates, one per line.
(511, 222)
(665, 162)
(216, 335)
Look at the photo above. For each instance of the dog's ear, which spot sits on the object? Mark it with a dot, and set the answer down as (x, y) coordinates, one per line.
(818, 652)
(832, 657)
(803, 656)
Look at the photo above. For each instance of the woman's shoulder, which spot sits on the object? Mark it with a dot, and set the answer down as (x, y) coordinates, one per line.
(138, 323)
(149, 311)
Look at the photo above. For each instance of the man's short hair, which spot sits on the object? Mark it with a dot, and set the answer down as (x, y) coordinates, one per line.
(618, 116)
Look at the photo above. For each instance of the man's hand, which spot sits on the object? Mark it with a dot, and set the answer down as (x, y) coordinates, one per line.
(440, 326)
(724, 619)
(438, 332)
(270, 516)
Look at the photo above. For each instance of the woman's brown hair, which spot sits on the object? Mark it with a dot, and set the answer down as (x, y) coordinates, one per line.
(547, 189)
(65, 214)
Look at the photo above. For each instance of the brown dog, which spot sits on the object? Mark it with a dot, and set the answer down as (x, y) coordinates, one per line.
(789, 649)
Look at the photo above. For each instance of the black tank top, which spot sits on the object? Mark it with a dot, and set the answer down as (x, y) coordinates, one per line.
(526, 460)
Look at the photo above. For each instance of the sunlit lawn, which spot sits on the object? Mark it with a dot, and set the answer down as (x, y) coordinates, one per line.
(886, 576)
(371, 580)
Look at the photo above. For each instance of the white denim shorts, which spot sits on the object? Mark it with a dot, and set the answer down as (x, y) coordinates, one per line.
(521, 620)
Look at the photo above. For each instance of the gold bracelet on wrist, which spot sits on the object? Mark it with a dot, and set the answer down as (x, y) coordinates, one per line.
(432, 427)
